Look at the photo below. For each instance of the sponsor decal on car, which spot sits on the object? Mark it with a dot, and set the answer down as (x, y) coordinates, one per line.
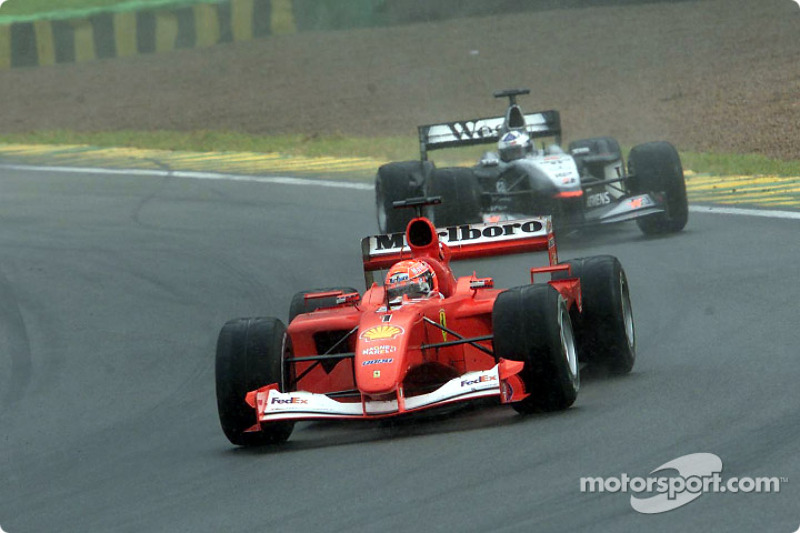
(284, 401)
(381, 333)
(595, 200)
(377, 362)
(481, 379)
(383, 349)
(465, 234)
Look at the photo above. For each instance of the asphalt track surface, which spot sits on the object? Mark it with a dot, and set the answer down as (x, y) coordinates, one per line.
(113, 289)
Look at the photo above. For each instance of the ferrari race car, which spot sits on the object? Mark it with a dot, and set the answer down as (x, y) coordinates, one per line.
(586, 185)
(426, 339)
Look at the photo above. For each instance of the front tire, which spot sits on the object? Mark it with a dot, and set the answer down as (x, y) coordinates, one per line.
(532, 324)
(250, 354)
(656, 168)
(604, 330)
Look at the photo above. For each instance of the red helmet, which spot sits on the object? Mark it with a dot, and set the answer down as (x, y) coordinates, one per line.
(412, 278)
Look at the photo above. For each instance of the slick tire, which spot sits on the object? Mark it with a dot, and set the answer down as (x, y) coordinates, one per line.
(300, 305)
(399, 181)
(461, 197)
(604, 332)
(532, 324)
(250, 354)
(656, 168)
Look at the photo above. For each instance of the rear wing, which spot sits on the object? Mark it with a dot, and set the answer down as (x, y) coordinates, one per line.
(465, 241)
(484, 131)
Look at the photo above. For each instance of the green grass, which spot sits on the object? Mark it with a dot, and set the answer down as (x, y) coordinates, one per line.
(742, 164)
(380, 148)
(28, 7)
(389, 148)
(31, 9)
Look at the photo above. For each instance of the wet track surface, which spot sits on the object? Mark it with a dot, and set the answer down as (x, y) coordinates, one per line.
(112, 291)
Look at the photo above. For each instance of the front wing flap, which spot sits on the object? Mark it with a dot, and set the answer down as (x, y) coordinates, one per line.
(501, 380)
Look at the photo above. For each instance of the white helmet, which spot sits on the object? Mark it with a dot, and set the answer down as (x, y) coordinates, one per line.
(514, 145)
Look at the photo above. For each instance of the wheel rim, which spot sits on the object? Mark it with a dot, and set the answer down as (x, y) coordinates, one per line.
(627, 312)
(568, 343)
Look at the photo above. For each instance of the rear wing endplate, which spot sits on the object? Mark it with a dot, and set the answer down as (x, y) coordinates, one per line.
(466, 241)
(484, 131)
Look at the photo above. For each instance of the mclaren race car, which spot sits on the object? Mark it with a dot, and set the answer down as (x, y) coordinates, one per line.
(588, 184)
(425, 339)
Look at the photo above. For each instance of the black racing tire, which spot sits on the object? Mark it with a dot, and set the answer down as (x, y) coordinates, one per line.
(399, 181)
(461, 196)
(604, 331)
(300, 305)
(250, 354)
(532, 324)
(656, 168)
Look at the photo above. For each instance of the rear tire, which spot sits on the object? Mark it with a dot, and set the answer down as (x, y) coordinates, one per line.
(250, 354)
(604, 331)
(399, 181)
(656, 168)
(300, 305)
(532, 324)
(461, 197)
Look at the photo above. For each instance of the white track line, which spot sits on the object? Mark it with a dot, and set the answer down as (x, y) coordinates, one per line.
(766, 213)
(189, 174)
(287, 180)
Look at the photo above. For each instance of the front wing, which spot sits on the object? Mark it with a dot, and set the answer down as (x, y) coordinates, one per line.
(501, 380)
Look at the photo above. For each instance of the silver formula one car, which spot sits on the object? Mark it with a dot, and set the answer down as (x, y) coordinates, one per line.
(588, 184)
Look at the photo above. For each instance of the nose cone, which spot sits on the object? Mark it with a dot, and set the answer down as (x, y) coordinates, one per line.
(381, 352)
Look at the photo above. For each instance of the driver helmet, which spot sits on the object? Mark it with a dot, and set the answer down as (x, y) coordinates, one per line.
(413, 278)
(514, 145)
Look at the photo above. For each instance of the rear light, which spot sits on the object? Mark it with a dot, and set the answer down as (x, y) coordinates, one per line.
(569, 194)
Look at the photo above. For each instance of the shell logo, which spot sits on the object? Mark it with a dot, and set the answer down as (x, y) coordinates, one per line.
(381, 333)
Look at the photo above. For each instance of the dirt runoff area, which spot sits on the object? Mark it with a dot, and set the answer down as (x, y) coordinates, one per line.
(708, 75)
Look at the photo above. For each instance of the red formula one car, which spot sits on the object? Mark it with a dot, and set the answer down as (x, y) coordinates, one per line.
(425, 338)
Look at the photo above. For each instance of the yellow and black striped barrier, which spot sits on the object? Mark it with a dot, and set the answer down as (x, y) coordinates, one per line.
(108, 34)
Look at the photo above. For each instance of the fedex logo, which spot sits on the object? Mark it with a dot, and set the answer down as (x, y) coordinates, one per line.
(288, 401)
(481, 379)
